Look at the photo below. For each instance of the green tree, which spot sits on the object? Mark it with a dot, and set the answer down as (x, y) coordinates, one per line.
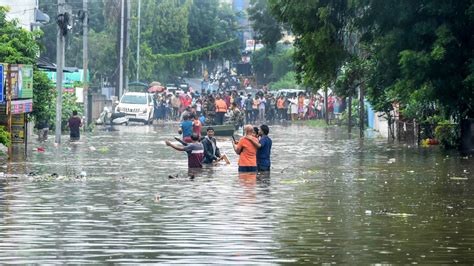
(318, 26)
(288, 81)
(422, 53)
(271, 65)
(268, 29)
(19, 46)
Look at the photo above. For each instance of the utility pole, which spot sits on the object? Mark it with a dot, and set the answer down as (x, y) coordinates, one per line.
(138, 41)
(62, 30)
(126, 50)
(361, 109)
(85, 62)
(122, 5)
(326, 114)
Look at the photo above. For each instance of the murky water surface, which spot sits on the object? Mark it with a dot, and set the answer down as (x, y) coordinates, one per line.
(328, 199)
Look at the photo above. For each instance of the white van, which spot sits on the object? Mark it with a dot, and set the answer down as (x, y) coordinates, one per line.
(137, 106)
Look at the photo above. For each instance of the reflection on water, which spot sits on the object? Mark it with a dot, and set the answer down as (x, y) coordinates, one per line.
(122, 196)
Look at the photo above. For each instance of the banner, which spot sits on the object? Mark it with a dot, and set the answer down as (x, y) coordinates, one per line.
(22, 106)
(21, 81)
(18, 128)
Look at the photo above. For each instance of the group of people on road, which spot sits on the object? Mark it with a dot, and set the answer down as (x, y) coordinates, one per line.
(254, 149)
(239, 108)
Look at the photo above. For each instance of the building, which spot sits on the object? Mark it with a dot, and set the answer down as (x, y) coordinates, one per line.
(26, 12)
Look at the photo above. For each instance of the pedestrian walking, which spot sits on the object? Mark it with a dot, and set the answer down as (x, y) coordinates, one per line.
(43, 128)
(221, 110)
(261, 109)
(74, 124)
(248, 109)
(255, 104)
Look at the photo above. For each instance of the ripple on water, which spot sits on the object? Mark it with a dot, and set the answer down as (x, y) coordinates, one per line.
(311, 209)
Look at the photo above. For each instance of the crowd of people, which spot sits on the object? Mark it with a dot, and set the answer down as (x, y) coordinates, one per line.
(254, 149)
(241, 108)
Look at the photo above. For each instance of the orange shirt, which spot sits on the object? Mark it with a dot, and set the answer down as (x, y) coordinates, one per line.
(248, 156)
(221, 106)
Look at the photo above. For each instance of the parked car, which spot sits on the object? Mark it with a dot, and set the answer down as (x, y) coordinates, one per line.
(137, 106)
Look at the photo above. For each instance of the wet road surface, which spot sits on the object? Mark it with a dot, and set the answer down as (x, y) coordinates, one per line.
(328, 199)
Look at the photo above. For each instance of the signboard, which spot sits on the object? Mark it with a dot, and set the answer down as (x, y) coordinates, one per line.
(22, 106)
(18, 128)
(2, 84)
(250, 45)
(79, 95)
(21, 81)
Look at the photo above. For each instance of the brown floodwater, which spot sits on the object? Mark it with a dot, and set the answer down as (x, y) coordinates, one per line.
(328, 199)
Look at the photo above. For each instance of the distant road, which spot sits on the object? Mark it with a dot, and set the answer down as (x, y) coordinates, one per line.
(195, 83)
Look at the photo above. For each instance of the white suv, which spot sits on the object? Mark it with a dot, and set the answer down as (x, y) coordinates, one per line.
(137, 106)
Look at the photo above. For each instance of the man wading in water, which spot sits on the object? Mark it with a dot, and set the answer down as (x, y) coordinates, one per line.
(247, 151)
(211, 151)
(264, 146)
(194, 150)
(74, 124)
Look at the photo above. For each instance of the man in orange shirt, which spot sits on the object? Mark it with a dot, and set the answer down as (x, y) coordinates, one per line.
(280, 107)
(247, 151)
(221, 110)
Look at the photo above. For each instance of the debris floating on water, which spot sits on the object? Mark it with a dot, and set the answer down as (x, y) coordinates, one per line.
(458, 178)
(103, 149)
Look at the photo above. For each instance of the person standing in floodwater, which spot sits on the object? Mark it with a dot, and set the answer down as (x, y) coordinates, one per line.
(186, 129)
(74, 125)
(194, 150)
(212, 153)
(264, 146)
(247, 151)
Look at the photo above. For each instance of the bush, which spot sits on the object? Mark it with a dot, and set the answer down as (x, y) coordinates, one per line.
(355, 115)
(286, 82)
(4, 137)
(448, 135)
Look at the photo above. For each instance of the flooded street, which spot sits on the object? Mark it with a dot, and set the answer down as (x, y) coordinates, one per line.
(328, 199)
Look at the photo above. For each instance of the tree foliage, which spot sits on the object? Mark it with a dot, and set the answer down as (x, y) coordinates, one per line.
(270, 65)
(18, 46)
(269, 30)
(173, 36)
(418, 53)
(318, 26)
(422, 53)
(288, 81)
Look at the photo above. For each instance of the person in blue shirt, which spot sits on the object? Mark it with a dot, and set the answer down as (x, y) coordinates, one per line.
(264, 149)
(186, 129)
(202, 119)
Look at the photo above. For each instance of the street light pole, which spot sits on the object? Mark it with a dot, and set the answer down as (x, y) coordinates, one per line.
(121, 49)
(85, 61)
(138, 41)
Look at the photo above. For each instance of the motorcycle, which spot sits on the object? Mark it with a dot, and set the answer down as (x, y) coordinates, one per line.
(109, 118)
